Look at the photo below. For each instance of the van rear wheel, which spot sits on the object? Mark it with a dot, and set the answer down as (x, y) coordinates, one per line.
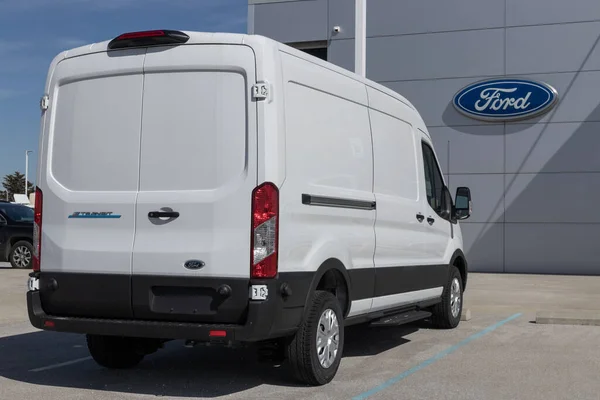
(315, 351)
(114, 352)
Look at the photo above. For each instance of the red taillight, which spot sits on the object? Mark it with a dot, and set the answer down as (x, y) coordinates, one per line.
(138, 35)
(37, 229)
(217, 334)
(265, 231)
(49, 324)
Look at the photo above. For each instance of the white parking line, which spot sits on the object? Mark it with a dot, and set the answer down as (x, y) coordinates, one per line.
(64, 364)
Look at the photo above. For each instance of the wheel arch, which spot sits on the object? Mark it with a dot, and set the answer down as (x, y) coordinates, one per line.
(16, 239)
(460, 261)
(332, 274)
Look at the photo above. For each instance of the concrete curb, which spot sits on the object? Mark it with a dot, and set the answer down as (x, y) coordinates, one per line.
(568, 317)
(466, 315)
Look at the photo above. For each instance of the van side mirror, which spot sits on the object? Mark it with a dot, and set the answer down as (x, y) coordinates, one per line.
(463, 207)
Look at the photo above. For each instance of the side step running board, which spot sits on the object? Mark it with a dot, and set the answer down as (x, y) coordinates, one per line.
(402, 318)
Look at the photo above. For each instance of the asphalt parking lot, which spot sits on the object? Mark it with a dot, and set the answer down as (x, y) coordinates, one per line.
(499, 354)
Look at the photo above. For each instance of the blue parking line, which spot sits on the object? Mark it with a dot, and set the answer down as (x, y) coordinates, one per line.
(433, 359)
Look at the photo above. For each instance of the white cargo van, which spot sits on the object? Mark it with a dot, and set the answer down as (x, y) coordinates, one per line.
(223, 188)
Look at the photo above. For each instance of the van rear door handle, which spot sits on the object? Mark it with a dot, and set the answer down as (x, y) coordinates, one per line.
(420, 217)
(430, 220)
(163, 214)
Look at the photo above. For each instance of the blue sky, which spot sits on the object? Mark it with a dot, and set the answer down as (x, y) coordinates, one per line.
(32, 32)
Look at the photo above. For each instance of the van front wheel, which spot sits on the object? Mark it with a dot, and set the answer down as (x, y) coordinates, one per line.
(114, 352)
(446, 315)
(315, 351)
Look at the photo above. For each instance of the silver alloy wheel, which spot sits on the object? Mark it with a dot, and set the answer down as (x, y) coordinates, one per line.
(328, 338)
(455, 297)
(22, 256)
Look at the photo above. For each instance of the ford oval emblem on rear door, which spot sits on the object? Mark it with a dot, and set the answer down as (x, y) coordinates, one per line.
(194, 264)
(505, 99)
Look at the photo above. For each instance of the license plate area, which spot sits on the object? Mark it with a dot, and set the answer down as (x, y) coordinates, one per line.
(190, 299)
(259, 292)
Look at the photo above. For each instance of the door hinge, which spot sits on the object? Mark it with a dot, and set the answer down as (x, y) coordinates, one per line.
(44, 102)
(260, 91)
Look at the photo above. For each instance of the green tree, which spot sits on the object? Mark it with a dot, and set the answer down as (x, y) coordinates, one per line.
(3, 195)
(14, 183)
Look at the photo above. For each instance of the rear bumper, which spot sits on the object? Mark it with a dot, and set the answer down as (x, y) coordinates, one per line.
(268, 319)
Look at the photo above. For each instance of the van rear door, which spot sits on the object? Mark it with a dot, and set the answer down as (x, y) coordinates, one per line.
(198, 168)
(89, 179)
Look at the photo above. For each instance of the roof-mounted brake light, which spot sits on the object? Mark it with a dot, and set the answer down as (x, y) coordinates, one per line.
(138, 35)
(148, 38)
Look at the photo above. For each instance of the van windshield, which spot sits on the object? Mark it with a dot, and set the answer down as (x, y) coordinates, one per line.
(18, 213)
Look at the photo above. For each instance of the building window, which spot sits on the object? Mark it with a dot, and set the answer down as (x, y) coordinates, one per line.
(319, 52)
(316, 49)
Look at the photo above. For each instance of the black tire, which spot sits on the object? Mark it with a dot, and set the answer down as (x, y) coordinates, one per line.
(302, 350)
(114, 352)
(442, 312)
(21, 255)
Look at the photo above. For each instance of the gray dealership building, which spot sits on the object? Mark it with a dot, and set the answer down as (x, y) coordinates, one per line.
(536, 181)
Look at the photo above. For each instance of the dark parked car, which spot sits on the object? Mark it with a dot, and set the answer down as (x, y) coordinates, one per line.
(16, 234)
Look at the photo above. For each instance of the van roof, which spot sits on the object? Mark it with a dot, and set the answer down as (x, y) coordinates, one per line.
(254, 41)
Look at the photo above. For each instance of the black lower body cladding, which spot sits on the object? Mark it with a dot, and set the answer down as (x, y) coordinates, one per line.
(163, 298)
(160, 298)
(167, 307)
(86, 295)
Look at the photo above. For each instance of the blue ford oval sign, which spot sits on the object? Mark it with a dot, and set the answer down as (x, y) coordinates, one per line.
(505, 99)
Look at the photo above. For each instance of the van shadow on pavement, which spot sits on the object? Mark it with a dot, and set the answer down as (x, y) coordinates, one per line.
(174, 371)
